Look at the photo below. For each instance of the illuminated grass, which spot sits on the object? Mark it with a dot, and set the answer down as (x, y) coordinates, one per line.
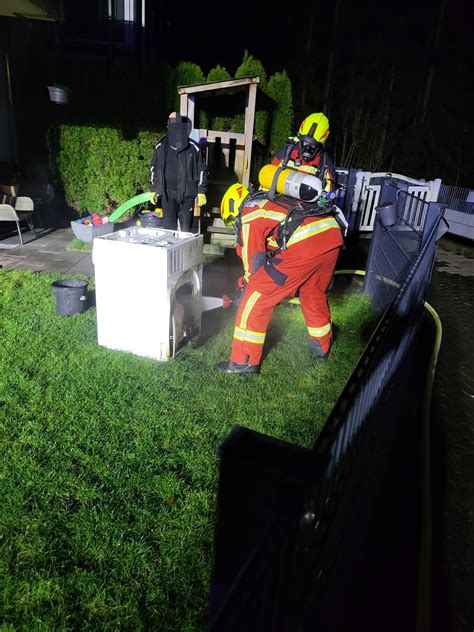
(109, 460)
(78, 244)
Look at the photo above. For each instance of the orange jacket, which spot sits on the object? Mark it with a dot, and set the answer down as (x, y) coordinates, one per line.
(259, 223)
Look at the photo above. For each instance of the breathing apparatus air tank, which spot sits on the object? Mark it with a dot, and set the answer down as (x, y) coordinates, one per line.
(296, 184)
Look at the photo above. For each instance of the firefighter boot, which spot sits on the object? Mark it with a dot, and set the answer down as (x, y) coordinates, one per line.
(239, 369)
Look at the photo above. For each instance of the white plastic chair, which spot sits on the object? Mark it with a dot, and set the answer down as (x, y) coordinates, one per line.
(22, 211)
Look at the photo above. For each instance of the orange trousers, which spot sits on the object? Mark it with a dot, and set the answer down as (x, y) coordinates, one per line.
(306, 270)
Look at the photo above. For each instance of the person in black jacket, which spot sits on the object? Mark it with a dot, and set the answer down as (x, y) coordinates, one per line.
(178, 174)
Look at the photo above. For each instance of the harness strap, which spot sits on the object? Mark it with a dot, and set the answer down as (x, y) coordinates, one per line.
(278, 277)
(290, 145)
(272, 192)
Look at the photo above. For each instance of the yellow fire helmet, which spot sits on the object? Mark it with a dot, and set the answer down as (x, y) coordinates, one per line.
(231, 202)
(314, 129)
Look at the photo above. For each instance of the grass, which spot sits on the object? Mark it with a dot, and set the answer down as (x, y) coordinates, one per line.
(78, 244)
(109, 460)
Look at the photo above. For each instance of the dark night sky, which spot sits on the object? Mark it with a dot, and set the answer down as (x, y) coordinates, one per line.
(209, 35)
(400, 33)
(370, 42)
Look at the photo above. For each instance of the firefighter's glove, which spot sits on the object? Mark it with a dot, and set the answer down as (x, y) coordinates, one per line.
(241, 283)
(153, 197)
(201, 199)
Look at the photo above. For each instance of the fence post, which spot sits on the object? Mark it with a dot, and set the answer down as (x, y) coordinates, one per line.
(388, 193)
(348, 207)
(435, 188)
(432, 215)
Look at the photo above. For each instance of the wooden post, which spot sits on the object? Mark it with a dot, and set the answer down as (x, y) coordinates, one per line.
(248, 131)
(183, 104)
(190, 113)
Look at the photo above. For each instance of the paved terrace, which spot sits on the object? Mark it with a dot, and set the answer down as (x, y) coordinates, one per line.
(45, 253)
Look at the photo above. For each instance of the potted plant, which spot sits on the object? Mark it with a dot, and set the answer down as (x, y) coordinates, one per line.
(59, 93)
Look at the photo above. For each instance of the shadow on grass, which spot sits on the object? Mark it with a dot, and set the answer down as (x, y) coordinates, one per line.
(221, 273)
(212, 323)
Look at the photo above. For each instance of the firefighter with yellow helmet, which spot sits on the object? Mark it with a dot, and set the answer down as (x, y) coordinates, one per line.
(287, 246)
(306, 152)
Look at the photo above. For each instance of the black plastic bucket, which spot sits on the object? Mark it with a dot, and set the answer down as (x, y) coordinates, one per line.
(70, 296)
(150, 220)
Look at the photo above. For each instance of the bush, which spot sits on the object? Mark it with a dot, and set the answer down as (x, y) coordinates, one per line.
(251, 66)
(186, 73)
(219, 73)
(279, 89)
(99, 169)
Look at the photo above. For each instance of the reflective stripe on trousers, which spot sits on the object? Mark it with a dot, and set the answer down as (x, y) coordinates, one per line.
(262, 295)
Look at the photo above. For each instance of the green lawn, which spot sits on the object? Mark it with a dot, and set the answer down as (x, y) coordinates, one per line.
(78, 244)
(109, 460)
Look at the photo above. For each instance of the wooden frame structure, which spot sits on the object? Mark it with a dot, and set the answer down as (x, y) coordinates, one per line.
(243, 142)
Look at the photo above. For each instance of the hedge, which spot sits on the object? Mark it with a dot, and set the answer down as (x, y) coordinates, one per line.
(279, 89)
(99, 168)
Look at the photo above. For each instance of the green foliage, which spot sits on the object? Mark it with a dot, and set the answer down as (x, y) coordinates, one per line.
(279, 89)
(186, 73)
(99, 169)
(251, 66)
(108, 505)
(219, 73)
(261, 126)
(77, 244)
(238, 123)
(203, 119)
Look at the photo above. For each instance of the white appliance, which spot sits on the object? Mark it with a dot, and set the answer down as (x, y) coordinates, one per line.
(148, 290)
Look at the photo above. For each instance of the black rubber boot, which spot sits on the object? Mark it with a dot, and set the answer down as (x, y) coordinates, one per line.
(239, 369)
(321, 358)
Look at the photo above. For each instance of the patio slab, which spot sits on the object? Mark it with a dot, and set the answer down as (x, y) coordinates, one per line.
(47, 252)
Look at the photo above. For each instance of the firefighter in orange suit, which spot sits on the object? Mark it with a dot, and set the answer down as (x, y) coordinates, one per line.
(306, 152)
(276, 267)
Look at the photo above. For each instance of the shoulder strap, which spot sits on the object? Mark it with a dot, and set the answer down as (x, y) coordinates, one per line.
(295, 218)
(289, 146)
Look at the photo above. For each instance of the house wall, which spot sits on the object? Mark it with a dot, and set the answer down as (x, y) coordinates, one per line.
(8, 143)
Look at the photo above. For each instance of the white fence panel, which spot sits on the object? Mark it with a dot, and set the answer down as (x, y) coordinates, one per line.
(367, 193)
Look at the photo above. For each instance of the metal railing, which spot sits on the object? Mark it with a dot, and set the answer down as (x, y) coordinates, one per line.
(394, 249)
(457, 198)
(364, 188)
(292, 522)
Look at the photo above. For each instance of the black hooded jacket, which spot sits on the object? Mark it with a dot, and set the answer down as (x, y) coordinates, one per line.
(192, 171)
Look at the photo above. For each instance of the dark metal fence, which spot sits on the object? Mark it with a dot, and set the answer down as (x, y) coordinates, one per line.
(292, 522)
(394, 249)
(457, 198)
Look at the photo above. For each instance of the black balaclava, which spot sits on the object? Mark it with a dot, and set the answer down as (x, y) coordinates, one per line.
(179, 128)
(309, 150)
